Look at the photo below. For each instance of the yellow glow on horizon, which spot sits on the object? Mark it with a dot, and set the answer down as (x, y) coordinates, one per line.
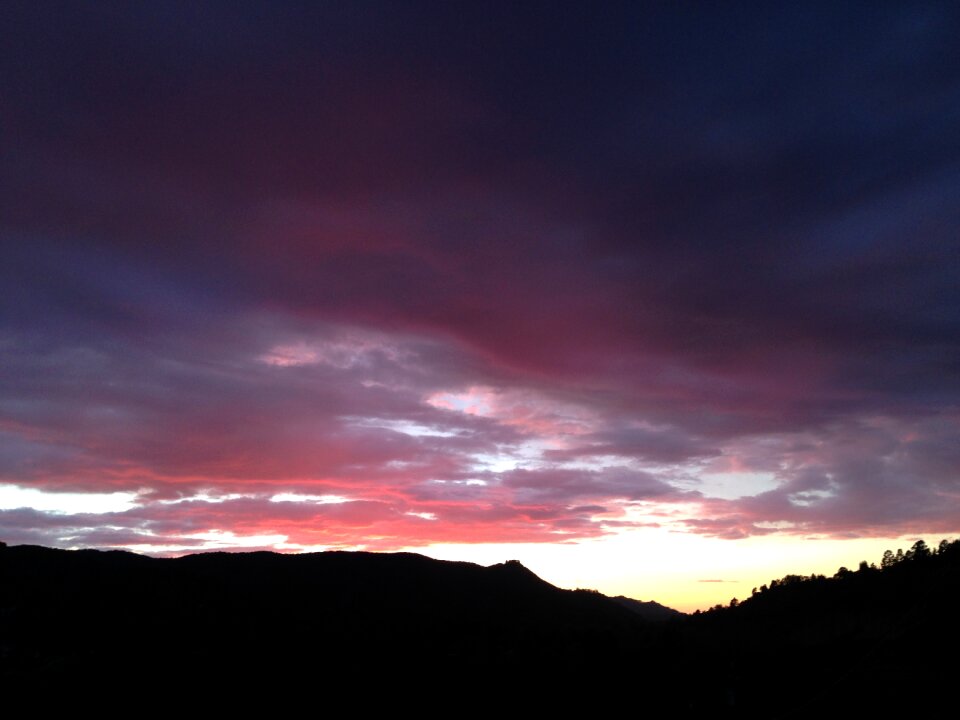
(678, 569)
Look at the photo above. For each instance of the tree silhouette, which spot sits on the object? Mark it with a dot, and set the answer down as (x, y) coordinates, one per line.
(919, 551)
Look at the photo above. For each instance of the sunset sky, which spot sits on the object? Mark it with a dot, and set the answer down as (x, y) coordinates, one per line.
(661, 299)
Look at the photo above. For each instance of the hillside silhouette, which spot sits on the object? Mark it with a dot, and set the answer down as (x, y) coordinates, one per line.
(874, 640)
(862, 641)
(649, 610)
(66, 614)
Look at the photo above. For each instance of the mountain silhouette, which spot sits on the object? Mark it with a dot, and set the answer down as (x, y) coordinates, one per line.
(68, 614)
(870, 641)
(648, 610)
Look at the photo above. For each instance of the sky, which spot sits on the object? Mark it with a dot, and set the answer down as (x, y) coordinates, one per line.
(659, 298)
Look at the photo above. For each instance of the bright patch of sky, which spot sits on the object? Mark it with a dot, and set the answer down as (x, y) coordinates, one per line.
(733, 485)
(347, 351)
(210, 540)
(475, 401)
(405, 427)
(526, 454)
(13, 497)
(316, 499)
(207, 498)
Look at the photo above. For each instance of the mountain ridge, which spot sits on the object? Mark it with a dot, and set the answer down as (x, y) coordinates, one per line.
(793, 647)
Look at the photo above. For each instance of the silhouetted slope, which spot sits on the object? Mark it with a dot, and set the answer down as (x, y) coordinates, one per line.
(861, 642)
(648, 610)
(87, 612)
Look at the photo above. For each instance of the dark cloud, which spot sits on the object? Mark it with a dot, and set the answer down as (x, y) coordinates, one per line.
(278, 246)
(663, 445)
(577, 485)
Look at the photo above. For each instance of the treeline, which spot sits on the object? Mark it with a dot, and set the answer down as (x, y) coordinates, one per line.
(919, 552)
(805, 643)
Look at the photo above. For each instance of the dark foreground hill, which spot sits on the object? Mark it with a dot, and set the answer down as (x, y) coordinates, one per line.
(875, 641)
(868, 641)
(648, 610)
(65, 614)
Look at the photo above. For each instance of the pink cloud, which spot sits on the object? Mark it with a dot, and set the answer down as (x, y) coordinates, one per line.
(477, 312)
